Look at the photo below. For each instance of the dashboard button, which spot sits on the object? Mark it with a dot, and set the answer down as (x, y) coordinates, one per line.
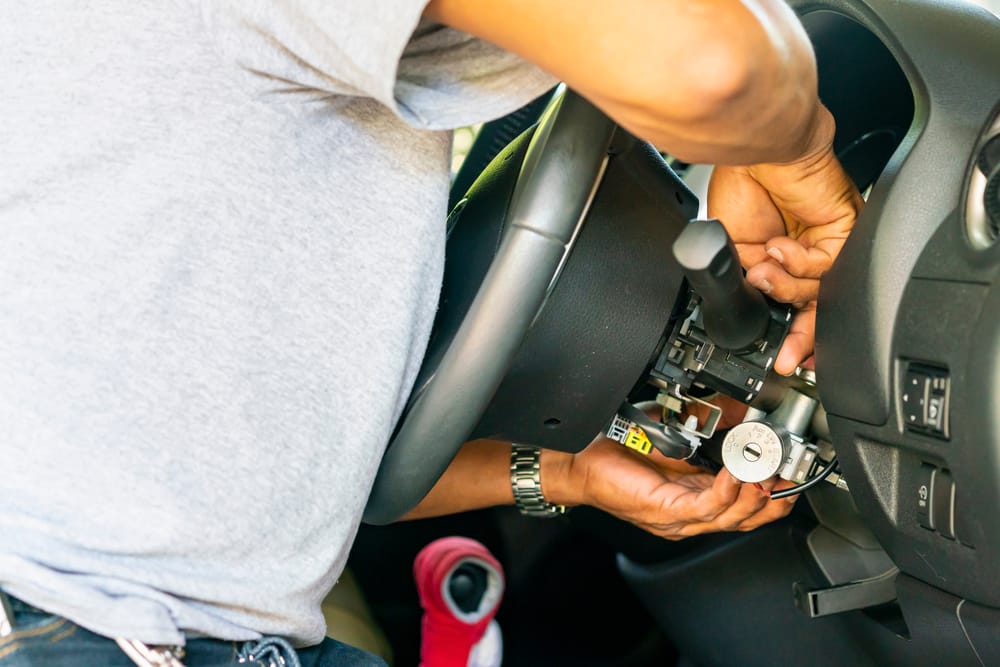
(963, 519)
(914, 399)
(924, 399)
(935, 410)
(943, 504)
(924, 494)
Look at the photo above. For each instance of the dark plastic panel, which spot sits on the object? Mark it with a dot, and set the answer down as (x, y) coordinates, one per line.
(891, 512)
(953, 326)
(732, 605)
(949, 256)
(909, 288)
(854, 67)
(906, 288)
(938, 636)
(980, 625)
(601, 322)
(955, 88)
(589, 342)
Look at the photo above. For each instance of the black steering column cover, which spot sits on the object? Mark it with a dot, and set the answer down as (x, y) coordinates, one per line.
(599, 327)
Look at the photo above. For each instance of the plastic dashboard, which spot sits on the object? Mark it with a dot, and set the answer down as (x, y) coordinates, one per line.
(908, 365)
(909, 328)
(909, 318)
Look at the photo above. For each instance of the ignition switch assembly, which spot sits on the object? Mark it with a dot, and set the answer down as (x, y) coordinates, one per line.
(724, 338)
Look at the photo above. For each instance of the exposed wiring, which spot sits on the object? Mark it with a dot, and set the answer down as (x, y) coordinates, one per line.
(667, 439)
(808, 484)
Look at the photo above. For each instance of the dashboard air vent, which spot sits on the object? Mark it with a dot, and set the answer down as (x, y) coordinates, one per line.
(982, 206)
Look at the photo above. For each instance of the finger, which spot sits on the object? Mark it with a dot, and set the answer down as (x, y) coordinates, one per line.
(752, 254)
(773, 280)
(749, 503)
(798, 260)
(743, 206)
(769, 484)
(774, 510)
(712, 502)
(799, 343)
(753, 497)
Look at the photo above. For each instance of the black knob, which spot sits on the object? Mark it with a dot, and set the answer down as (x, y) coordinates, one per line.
(734, 313)
(467, 585)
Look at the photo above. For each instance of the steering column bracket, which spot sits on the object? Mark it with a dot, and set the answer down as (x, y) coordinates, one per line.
(729, 334)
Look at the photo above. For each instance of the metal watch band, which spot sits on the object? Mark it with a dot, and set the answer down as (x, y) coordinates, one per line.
(526, 482)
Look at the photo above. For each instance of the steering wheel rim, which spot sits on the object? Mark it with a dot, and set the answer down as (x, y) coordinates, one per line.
(563, 166)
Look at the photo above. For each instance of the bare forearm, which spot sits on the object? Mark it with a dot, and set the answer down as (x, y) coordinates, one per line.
(667, 498)
(476, 478)
(479, 477)
(722, 81)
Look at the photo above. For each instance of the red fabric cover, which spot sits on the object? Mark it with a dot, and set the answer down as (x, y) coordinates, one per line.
(446, 640)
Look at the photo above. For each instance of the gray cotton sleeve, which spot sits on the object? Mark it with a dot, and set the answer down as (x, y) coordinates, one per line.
(323, 51)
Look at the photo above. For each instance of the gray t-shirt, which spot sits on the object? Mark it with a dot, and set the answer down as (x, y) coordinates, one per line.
(221, 243)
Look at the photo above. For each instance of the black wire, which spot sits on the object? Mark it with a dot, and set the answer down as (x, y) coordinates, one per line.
(808, 484)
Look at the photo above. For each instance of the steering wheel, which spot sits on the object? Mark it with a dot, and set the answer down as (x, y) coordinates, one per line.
(564, 163)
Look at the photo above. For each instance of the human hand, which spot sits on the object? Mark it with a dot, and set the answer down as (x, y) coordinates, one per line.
(666, 497)
(789, 222)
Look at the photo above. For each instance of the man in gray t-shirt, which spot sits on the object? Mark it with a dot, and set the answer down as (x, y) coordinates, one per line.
(221, 244)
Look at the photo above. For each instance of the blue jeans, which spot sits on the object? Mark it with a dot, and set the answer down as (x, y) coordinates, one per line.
(40, 639)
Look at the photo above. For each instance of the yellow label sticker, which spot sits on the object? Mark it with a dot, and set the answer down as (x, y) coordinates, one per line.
(637, 440)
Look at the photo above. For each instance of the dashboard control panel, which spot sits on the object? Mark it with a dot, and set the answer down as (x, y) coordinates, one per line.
(924, 399)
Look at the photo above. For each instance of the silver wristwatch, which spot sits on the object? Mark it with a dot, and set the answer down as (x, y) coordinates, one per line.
(526, 482)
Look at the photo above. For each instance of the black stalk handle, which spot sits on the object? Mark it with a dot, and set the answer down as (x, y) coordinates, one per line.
(734, 313)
